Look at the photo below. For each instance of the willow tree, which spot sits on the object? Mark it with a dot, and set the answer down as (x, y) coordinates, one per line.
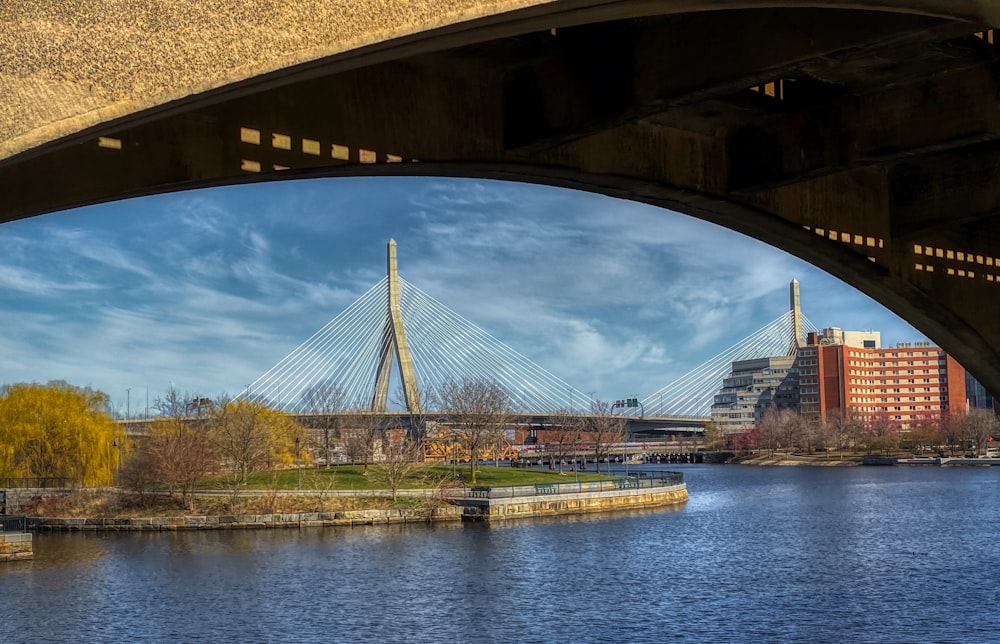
(58, 430)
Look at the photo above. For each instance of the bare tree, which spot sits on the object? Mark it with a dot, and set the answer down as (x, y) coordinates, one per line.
(603, 430)
(360, 436)
(399, 459)
(715, 437)
(476, 408)
(329, 400)
(172, 403)
(952, 434)
(883, 432)
(138, 472)
(977, 426)
(559, 443)
(925, 431)
(769, 427)
(179, 453)
(419, 423)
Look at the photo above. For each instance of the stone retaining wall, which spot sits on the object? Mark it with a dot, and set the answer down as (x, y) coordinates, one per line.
(246, 521)
(18, 497)
(15, 546)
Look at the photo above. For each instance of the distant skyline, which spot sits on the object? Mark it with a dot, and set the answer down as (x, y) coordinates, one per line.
(208, 289)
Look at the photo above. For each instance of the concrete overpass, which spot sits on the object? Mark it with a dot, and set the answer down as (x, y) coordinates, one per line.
(859, 135)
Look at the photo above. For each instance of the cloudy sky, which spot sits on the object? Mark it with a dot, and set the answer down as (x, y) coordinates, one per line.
(206, 290)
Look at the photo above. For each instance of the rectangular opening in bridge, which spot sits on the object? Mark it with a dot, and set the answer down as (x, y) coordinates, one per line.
(393, 158)
(341, 152)
(281, 141)
(310, 147)
(109, 143)
(367, 156)
(249, 166)
(249, 135)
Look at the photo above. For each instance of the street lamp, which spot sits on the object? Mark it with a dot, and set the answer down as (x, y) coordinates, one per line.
(128, 402)
(118, 457)
(298, 462)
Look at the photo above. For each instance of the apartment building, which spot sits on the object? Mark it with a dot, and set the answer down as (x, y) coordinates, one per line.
(905, 382)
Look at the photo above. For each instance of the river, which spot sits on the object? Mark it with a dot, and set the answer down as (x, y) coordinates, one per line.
(862, 554)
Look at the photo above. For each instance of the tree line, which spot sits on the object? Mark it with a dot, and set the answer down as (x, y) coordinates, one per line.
(65, 431)
(788, 430)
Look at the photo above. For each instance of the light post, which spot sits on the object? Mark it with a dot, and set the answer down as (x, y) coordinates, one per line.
(118, 457)
(298, 462)
(128, 402)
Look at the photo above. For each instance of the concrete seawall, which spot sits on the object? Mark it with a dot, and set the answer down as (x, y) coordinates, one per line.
(15, 546)
(461, 508)
(519, 507)
(245, 521)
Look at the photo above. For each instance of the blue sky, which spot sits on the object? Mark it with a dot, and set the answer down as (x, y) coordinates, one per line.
(208, 289)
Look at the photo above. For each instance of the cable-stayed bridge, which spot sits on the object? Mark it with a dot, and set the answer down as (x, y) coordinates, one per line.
(691, 395)
(346, 365)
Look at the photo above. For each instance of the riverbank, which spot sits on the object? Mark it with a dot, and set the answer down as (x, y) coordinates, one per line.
(116, 510)
(245, 521)
(783, 459)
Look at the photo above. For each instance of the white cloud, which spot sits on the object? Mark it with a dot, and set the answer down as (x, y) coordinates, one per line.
(209, 289)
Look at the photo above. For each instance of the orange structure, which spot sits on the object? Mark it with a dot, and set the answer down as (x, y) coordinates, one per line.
(905, 382)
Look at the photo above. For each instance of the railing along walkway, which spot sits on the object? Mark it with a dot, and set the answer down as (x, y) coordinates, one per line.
(33, 482)
(636, 480)
(12, 524)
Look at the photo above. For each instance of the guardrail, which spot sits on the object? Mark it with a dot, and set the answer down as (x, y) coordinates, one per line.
(12, 524)
(634, 481)
(37, 482)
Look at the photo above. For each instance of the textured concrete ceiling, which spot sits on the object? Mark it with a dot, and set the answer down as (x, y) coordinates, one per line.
(75, 64)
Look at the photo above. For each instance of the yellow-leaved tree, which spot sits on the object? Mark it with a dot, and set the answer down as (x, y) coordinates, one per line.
(250, 436)
(58, 430)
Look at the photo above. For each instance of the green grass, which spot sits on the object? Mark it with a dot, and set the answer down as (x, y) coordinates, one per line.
(351, 477)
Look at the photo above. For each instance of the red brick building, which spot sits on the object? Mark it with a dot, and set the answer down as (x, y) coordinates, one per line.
(906, 382)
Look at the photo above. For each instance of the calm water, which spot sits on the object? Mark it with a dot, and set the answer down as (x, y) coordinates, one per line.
(757, 554)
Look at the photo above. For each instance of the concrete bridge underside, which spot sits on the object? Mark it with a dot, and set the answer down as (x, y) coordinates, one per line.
(859, 135)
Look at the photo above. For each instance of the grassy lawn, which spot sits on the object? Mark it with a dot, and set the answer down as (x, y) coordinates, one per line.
(352, 477)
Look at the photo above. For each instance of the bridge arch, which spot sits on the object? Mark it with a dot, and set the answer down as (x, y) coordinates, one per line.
(859, 136)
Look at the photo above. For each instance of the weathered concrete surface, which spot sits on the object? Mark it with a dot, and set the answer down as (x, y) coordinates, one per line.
(862, 136)
(245, 521)
(74, 64)
(574, 503)
(15, 546)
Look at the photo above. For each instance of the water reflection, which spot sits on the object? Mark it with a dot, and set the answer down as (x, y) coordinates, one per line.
(762, 554)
